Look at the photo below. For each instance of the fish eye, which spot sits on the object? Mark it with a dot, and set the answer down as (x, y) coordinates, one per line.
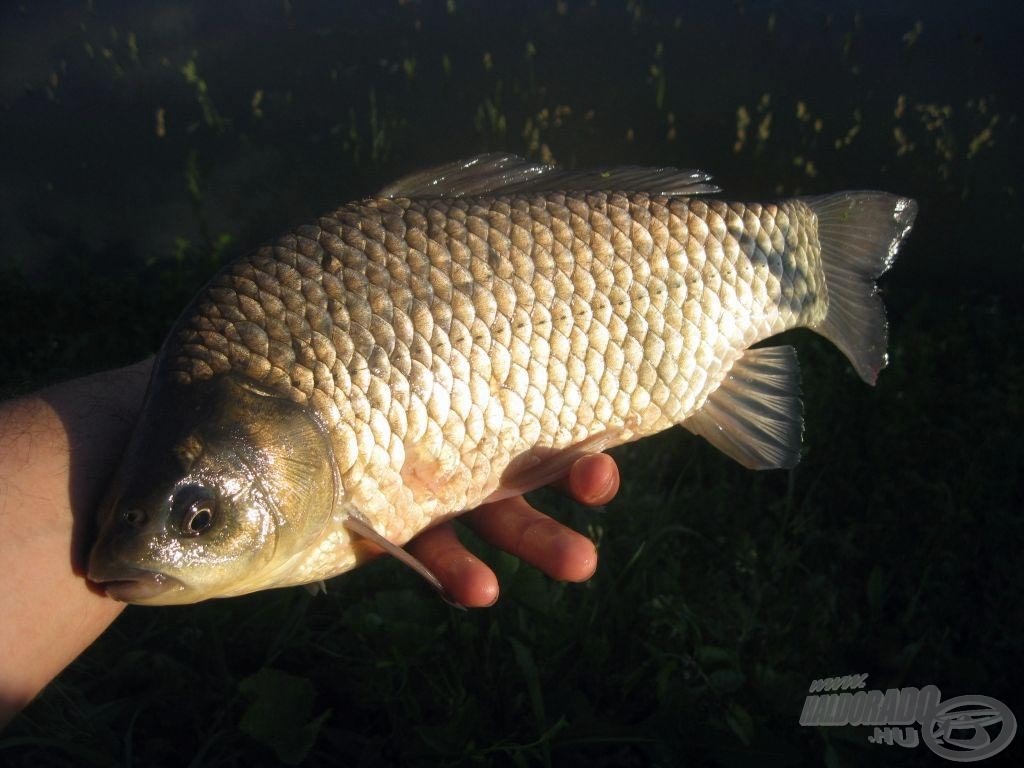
(198, 517)
(198, 511)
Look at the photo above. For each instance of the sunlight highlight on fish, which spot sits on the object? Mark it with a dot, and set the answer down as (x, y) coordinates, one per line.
(462, 337)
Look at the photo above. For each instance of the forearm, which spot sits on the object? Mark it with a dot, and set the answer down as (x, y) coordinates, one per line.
(57, 448)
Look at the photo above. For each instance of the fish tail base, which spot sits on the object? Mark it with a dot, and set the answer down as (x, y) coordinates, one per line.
(860, 234)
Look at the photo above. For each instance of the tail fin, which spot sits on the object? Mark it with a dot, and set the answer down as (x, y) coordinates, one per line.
(860, 233)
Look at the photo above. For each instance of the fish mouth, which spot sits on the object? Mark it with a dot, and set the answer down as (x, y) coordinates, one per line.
(135, 585)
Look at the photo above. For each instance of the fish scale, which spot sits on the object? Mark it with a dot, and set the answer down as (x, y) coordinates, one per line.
(462, 338)
(462, 333)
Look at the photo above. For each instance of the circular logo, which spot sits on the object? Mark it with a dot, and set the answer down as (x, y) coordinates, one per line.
(969, 728)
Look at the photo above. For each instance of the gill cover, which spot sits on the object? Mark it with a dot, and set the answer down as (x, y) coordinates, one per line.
(222, 487)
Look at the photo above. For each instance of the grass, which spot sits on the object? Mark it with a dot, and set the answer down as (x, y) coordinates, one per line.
(721, 594)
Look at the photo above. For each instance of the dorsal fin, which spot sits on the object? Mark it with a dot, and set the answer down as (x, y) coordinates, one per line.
(502, 174)
(755, 415)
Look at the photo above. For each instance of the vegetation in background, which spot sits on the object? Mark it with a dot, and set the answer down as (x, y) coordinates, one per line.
(158, 144)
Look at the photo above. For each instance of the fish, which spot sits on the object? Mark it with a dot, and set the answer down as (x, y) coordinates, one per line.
(464, 336)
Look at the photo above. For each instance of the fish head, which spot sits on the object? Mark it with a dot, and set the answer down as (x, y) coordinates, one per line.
(222, 487)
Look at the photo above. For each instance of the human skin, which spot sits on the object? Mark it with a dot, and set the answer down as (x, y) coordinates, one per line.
(58, 448)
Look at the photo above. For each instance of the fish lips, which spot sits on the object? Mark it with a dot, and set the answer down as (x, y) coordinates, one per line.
(134, 585)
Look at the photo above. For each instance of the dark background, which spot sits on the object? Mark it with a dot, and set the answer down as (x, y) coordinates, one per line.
(144, 144)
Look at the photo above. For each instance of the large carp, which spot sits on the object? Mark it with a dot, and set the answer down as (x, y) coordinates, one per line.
(464, 336)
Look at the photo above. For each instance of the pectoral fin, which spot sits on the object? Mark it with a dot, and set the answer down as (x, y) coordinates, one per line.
(755, 416)
(360, 526)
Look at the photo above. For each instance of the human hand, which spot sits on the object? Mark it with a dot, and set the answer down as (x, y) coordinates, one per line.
(58, 448)
(519, 529)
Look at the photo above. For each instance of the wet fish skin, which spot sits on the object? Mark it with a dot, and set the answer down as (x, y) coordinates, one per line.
(478, 323)
(431, 353)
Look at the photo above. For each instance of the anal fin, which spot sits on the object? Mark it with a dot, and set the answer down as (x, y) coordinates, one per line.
(755, 416)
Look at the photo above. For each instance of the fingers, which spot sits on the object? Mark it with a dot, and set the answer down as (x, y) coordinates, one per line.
(466, 579)
(519, 529)
(592, 480)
